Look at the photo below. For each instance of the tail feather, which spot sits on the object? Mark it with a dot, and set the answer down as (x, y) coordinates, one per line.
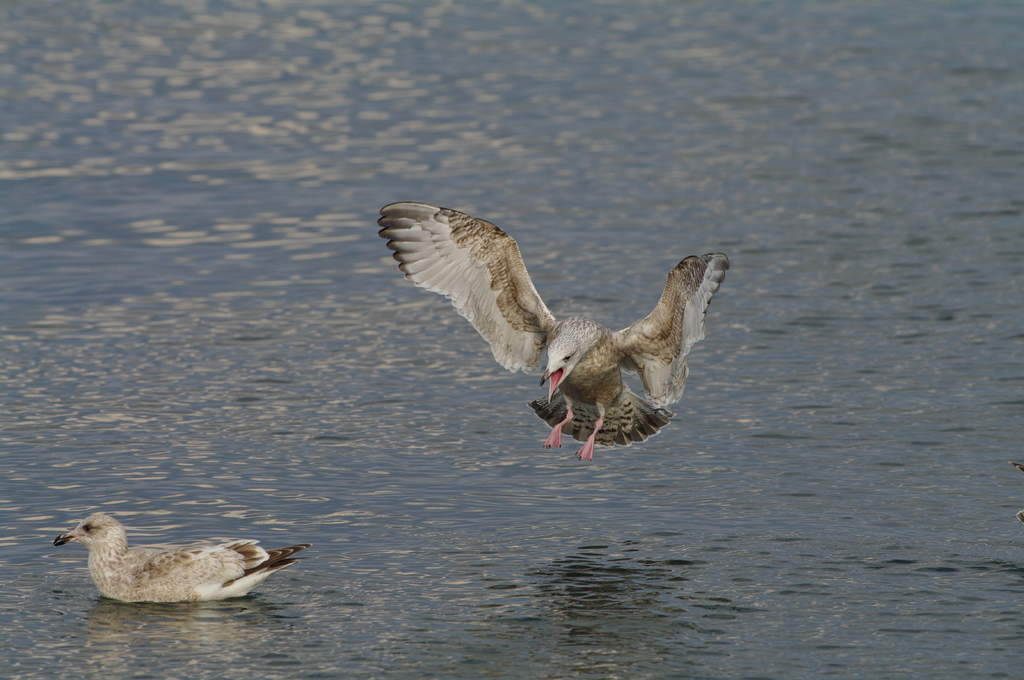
(629, 418)
(279, 558)
(252, 554)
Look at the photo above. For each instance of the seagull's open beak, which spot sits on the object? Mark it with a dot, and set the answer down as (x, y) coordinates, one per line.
(556, 378)
(63, 538)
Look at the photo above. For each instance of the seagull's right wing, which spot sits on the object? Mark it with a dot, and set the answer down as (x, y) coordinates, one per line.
(479, 268)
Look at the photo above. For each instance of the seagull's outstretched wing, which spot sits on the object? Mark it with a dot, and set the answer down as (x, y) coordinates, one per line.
(479, 268)
(656, 346)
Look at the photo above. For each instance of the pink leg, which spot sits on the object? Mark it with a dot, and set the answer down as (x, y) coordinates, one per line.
(587, 452)
(555, 438)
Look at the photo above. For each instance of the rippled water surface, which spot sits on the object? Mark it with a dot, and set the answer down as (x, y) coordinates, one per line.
(201, 332)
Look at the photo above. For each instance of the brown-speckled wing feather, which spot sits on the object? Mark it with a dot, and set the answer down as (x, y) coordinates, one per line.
(192, 566)
(656, 346)
(479, 268)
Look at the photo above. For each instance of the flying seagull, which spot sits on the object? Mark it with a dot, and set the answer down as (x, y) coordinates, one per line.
(142, 574)
(478, 266)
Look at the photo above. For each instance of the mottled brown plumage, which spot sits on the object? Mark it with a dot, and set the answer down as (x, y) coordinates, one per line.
(480, 269)
(143, 574)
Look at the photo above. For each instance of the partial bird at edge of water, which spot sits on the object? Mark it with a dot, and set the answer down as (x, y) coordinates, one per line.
(1019, 515)
(480, 269)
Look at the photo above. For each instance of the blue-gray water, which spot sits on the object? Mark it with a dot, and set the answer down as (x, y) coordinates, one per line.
(202, 332)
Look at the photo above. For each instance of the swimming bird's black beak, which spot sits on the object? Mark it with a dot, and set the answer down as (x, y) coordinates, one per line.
(63, 538)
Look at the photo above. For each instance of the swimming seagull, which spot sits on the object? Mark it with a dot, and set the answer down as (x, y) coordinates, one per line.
(143, 574)
(479, 268)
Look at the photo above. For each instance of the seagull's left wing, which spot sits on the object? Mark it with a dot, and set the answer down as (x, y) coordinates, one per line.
(193, 567)
(657, 345)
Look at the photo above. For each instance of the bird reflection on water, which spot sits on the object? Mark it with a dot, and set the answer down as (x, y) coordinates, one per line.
(592, 586)
(599, 605)
(119, 634)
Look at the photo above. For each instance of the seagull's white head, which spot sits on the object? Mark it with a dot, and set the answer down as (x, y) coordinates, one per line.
(97, 528)
(572, 339)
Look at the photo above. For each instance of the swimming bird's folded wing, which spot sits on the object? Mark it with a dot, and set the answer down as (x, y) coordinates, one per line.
(479, 268)
(657, 345)
(193, 567)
